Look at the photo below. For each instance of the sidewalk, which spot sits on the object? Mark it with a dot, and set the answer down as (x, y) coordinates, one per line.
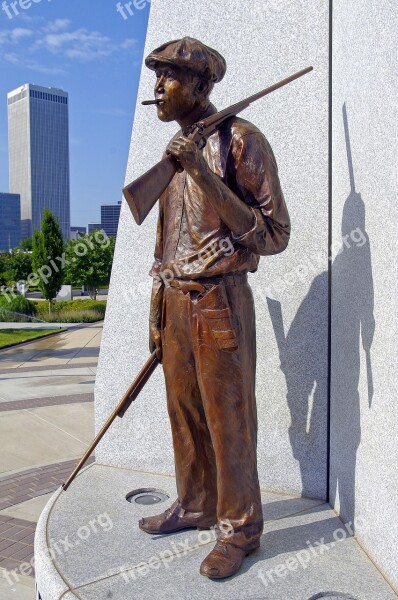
(40, 325)
(46, 423)
(79, 345)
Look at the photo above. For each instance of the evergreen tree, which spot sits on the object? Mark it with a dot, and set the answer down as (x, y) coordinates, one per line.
(47, 251)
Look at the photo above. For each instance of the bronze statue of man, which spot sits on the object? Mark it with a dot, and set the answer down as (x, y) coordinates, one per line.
(222, 211)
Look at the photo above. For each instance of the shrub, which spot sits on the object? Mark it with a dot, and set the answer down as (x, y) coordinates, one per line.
(74, 316)
(71, 306)
(17, 309)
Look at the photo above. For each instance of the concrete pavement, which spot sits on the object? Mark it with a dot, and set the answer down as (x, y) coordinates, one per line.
(77, 345)
(36, 384)
(46, 419)
(40, 325)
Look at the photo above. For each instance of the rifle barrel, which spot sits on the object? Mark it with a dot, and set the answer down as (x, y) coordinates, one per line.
(119, 411)
(239, 106)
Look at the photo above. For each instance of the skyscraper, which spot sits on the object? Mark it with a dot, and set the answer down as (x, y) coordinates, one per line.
(38, 142)
(10, 221)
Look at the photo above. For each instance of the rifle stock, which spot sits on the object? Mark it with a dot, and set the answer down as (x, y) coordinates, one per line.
(129, 397)
(144, 192)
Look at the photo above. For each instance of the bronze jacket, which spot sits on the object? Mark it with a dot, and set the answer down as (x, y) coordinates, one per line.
(192, 241)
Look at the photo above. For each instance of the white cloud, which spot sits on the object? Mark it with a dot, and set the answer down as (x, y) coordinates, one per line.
(11, 57)
(57, 25)
(59, 38)
(35, 66)
(128, 43)
(82, 44)
(13, 36)
(23, 16)
(14, 59)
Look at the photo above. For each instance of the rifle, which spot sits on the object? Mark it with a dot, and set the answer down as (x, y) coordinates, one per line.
(353, 192)
(144, 192)
(119, 411)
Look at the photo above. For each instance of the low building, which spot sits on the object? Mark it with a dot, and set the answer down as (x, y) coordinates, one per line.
(93, 227)
(10, 221)
(75, 231)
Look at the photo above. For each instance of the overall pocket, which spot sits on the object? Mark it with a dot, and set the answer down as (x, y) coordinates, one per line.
(215, 310)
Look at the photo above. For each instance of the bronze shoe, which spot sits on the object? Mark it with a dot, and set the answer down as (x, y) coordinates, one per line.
(175, 518)
(224, 560)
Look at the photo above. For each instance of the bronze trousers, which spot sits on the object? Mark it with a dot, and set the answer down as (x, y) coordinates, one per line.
(209, 363)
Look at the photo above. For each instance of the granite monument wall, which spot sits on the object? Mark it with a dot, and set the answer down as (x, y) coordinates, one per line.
(364, 408)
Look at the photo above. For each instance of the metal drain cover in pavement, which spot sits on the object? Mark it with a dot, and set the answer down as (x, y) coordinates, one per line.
(333, 596)
(146, 496)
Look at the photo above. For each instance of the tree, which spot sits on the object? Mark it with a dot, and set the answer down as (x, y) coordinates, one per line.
(89, 261)
(19, 266)
(26, 244)
(5, 273)
(14, 267)
(47, 253)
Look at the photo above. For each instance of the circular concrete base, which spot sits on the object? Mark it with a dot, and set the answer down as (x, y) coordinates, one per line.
(88, 546)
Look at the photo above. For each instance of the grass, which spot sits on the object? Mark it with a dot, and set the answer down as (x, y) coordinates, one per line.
(10, 337)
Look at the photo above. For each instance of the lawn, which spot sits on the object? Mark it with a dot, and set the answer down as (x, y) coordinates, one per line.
(9, 337)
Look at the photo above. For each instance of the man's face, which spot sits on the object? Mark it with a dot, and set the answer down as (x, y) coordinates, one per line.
(177, 90)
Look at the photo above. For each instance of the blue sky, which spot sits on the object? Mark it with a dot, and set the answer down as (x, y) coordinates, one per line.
(88, 49)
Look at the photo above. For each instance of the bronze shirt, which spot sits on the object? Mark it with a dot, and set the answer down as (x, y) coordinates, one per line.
(192, 241)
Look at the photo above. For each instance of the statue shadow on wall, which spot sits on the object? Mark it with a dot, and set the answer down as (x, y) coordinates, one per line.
(303, 362)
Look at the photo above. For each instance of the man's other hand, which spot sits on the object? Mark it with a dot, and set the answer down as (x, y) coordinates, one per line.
(155, 340)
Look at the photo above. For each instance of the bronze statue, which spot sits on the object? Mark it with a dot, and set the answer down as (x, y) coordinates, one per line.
(220, 212)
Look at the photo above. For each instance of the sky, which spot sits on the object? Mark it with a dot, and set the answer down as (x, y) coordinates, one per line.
(92, 51)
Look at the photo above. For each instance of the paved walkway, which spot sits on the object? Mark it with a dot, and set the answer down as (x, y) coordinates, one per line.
(40, 325)
(46, 423)
(76, 346)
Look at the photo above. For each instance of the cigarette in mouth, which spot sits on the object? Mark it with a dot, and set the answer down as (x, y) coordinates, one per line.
(148, 102)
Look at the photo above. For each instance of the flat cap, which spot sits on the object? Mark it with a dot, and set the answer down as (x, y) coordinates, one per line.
(191, 54)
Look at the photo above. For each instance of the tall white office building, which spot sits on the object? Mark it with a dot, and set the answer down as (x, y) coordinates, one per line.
(38, 142)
